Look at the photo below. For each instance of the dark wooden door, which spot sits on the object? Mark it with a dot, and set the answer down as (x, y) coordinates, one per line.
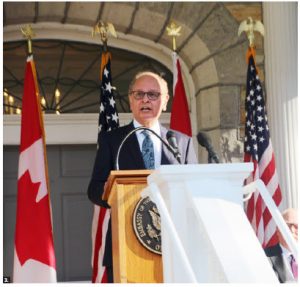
(70, 168)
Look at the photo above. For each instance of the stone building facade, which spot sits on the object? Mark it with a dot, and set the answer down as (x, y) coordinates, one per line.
(214, 68)
(212, 54)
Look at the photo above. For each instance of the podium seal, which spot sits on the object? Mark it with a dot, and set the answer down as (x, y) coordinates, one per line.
(146, 224)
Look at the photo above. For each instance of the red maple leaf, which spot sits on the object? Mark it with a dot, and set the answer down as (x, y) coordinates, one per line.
(33, 228)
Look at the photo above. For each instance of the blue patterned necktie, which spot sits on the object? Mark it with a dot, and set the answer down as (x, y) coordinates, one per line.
(148, 151)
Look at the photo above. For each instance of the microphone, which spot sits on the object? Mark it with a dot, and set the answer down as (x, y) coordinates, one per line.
(169, 147)
(205, 141)
(173, 143)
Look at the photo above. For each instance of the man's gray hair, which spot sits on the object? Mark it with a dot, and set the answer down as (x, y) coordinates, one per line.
(162, 82)
(289, 211)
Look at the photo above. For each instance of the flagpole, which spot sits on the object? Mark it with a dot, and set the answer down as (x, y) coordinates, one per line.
(102, 215)
(249, 26)
(257, 145)
(34, 258)
(173, 30)
(104, 30)
(180, 116)
(28, 34)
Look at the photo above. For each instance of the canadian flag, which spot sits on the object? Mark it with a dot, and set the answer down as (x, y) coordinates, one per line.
(180, 117)
(34, 258)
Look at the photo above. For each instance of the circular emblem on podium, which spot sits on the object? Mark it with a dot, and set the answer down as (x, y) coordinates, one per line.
(146, 224)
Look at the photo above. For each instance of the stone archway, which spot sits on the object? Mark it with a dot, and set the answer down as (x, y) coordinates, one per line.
(213, 60)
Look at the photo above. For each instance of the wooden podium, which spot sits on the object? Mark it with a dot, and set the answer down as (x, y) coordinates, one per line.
(132, 262)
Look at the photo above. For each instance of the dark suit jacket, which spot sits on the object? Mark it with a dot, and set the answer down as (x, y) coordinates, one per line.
(274, 254)
(130, 158)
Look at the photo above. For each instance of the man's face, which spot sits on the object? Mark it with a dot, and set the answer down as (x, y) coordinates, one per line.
(147, 111)
(291, 219)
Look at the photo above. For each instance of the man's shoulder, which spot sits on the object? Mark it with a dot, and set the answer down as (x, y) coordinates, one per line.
(119, 132)
(178, 135)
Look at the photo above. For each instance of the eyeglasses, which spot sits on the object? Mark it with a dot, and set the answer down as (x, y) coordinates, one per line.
(290, 225)
(151, 95)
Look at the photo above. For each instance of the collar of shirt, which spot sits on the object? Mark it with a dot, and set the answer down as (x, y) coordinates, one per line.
(157, 145)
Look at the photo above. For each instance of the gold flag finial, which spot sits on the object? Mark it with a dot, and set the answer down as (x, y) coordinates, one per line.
(173, 31)
(28, 34)
(104, 30)
(249, 27)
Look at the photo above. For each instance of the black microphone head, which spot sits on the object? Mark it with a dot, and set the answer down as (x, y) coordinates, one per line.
(171, 138)
(170, 134)
(204, 139)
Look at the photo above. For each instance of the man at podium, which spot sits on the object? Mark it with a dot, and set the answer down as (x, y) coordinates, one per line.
(142, 149)
(280, 255)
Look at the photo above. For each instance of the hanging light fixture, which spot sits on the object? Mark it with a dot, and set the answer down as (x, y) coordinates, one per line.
(57, 99)
(43, 103)
(5, 95)
(11, 103)
(18, 111)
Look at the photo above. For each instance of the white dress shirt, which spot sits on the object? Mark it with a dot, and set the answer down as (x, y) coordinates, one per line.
(157, 144)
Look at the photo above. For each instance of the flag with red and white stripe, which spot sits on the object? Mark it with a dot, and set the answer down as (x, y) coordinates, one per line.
(258, 149)
(34, 257)
(108, 120)
(180, 117)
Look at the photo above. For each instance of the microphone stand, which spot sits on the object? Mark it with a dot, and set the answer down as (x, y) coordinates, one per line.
(169, 147)
(205, 141)
(212, 157)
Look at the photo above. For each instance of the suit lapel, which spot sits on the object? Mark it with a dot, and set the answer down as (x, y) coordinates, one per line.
(166, 156)
(132, 147)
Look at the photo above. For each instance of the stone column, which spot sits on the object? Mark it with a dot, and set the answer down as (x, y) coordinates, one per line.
(280, 20)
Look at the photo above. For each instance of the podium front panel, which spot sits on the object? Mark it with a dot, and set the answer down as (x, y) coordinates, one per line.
(132, 262)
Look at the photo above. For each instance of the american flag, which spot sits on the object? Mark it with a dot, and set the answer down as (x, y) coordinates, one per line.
(108, 120)
(108, 116)
(258, 149)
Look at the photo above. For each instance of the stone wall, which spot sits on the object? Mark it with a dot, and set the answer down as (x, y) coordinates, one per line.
(214, 56)
(222, 77)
